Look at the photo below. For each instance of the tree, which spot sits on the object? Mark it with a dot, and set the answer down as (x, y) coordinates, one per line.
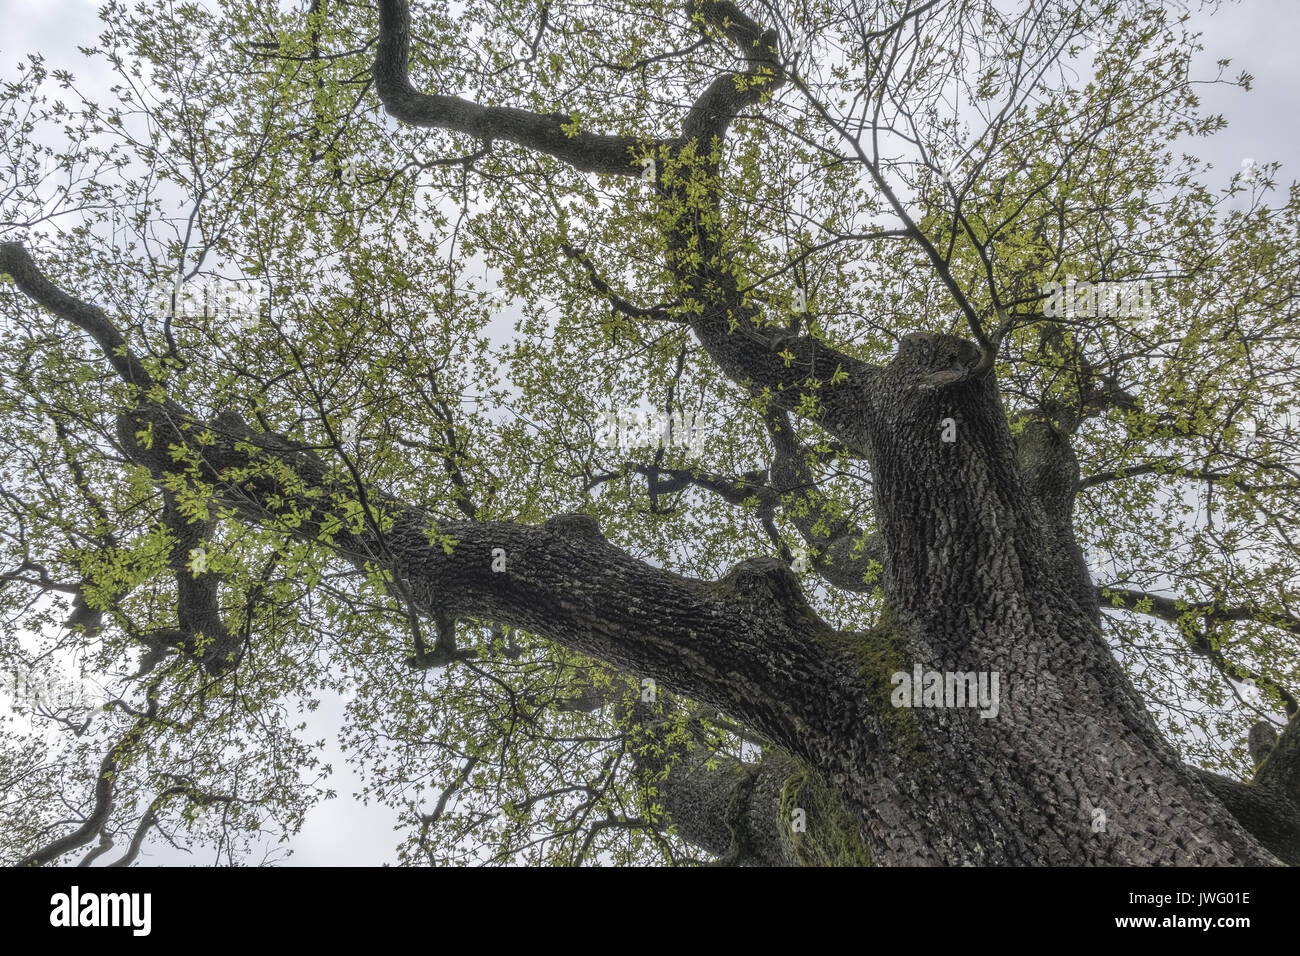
(951, 358)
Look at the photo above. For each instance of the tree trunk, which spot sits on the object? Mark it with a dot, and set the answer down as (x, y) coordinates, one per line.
(980, 582)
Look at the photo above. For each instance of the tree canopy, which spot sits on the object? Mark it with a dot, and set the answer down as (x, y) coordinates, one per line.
(565, 386)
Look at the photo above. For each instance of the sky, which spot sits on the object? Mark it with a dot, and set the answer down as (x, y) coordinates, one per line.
(1259, 36)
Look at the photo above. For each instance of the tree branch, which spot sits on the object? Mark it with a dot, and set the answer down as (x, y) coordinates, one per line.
(1174, 609)
(747, 644)
(545, 133)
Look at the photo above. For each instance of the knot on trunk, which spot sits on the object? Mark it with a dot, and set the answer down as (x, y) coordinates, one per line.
(937, 359)
(766, 577)
(1262, 740)
(1047, 464)
(574, 526)
(767, 584)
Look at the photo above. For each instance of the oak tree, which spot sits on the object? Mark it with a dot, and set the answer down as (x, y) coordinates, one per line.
(616, 404)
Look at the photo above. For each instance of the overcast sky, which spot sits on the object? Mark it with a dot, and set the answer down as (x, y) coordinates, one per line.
(1260, 36)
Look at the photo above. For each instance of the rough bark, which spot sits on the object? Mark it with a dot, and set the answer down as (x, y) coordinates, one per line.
(774, 812)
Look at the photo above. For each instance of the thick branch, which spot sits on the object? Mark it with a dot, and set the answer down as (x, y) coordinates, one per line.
(1280, 769)
(775, 812)
(1268, 806)
(545, 133)
(1266, 813)
(102, 808)
(15, 261)
(747, 644)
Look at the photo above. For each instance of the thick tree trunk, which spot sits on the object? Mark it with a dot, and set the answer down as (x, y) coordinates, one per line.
(980, 582)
